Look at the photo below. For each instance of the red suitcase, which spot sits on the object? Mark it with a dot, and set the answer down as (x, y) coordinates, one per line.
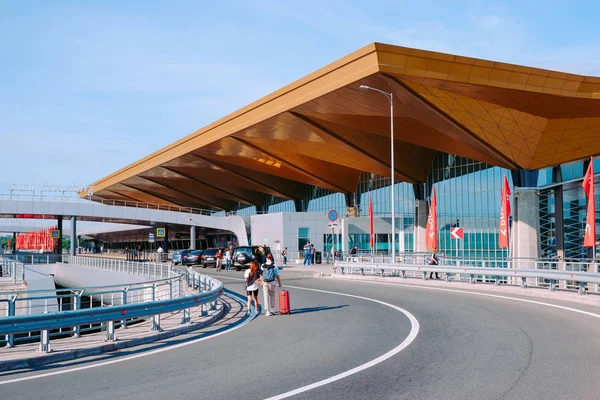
(284, 302)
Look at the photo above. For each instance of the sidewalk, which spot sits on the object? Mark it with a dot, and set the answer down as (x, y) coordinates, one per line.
(500, 290)
(27, 355)
(326, 271)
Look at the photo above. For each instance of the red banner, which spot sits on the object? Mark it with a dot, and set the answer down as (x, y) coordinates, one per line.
(431, 233)
(371, 228)
(38, 240)
(504, 232)
(589, 239)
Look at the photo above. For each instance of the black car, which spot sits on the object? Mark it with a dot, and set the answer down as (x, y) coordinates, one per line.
(209, 257)
(178, 255)
(192, 258)
(244, 255)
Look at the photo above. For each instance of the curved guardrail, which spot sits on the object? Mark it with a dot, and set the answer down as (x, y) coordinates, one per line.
(109, 306)
(552, 278)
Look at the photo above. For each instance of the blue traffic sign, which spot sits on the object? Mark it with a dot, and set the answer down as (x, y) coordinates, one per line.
(332, 215)
(160, 232)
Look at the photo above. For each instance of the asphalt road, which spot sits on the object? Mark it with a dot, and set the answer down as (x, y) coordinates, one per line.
(468, 347)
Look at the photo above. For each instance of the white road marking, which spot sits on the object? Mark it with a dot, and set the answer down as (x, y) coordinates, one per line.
(149, 353)
(497, 296)
(404, 344)
(414, 331)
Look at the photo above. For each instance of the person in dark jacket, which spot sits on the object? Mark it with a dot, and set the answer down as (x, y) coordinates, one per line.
(433, 260)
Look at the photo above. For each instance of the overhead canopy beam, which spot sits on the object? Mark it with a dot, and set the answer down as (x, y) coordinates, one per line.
(191, 178)
(247, 178)
(154, 195)
(203, 200)
(139, 200)
(356, 149)
(119, 194)
(426, 103)
(304, 172)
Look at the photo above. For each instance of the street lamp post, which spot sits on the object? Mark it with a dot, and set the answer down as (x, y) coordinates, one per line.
(390, 97)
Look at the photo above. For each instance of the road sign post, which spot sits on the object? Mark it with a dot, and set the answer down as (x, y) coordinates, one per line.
(457, 233)
(333, 216)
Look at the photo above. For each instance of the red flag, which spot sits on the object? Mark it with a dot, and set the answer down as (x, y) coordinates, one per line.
(431, 233)
(589, 239)
(371, 230)
(504, 232)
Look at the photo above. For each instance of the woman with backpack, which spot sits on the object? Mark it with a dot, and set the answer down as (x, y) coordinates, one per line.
(252, 274)
(269, 274)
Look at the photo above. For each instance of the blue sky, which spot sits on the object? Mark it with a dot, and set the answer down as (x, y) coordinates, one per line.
(87, 87)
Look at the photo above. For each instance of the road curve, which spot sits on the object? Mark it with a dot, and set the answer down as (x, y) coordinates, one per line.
(468, 347)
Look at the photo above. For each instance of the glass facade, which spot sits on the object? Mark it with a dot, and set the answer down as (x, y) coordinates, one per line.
(468, 196)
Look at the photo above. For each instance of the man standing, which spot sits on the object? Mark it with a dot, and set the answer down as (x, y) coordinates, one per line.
(313, 252)
(284, 255)
(354, 250)
(307, 253)
(270, 273)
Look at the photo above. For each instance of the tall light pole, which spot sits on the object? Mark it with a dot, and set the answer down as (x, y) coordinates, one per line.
(390, 97)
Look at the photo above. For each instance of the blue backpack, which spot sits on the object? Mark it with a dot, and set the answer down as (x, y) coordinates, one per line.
(268, 272)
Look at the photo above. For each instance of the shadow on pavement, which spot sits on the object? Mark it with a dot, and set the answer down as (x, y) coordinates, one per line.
(315, 309)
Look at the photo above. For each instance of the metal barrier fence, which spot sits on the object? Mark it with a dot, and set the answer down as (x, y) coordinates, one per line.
(541, 273)
(34, 258)
(152, 270)
(12, 269)
(124, 203)
(44, 314)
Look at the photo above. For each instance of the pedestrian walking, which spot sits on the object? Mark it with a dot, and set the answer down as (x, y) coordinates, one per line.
(307, 253)
(252, 275)
(270, 274)
(139, 252)
(433, 260)
(219, 257)
(284, 255)
(227, 259)
(263, 254)
(313, 252)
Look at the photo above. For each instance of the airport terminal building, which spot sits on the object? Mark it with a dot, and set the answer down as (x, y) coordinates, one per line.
(321, 143)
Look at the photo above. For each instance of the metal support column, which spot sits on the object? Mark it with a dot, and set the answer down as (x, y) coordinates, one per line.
(166, 240)
(14, 243)
(73, 236)
(192, 238)
(60, 235)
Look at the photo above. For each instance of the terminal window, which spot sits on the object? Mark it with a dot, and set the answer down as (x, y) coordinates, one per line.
(303, 237)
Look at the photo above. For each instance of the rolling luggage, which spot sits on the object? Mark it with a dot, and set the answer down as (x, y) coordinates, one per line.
(284, 302)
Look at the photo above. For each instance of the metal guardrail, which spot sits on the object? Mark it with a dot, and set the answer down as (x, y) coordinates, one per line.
(553, 278)
(107, 307)
(34, 258)
(124, 203)
(12, 269)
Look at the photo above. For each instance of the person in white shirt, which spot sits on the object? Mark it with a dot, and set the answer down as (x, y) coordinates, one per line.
(270, 274)
(227, 259)
(252, 274)
(160, 249)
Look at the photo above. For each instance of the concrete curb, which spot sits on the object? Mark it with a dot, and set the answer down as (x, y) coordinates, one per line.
(109, 347)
